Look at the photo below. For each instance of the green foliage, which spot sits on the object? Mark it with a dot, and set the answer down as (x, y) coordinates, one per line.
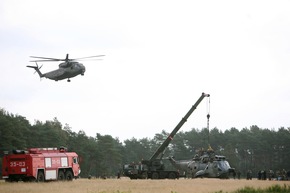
(272, 189)
(249, 148)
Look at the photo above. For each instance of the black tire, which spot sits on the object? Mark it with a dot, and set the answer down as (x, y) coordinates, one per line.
(155, 176)
(61, 176)
(8, 180)
(69, 175)
(144, 175)
(40, 176)
(171, 175)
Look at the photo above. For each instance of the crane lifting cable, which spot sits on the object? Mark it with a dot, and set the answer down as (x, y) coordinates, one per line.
(208, 116)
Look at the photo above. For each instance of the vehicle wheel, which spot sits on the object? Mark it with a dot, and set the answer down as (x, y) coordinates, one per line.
(144, 175)
(155, 175)
(171, 175)
(69, 175)
(8, 180)
(27, 179)
(61, 176)
(40, 176)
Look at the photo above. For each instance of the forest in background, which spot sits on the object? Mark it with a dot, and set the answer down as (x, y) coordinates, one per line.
(251, 148)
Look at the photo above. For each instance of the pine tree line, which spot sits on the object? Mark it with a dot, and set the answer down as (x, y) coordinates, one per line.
(251, 148)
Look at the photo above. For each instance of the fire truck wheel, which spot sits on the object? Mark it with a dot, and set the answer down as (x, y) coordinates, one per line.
(61, 176)
(68, 175)
(40, 176)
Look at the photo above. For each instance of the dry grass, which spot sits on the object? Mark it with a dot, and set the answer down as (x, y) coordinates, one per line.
(126, 185)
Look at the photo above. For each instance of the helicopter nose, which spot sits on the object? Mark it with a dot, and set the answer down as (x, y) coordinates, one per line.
(83, 69)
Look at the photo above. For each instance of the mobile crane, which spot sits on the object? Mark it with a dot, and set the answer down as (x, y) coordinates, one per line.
(154, 167)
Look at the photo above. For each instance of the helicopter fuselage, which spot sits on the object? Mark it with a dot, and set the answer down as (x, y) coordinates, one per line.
(66, 70)
(204, 166)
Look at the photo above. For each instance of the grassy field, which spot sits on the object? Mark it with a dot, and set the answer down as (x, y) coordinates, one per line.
(125, 185)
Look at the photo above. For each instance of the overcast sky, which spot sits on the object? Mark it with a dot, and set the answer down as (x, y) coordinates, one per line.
(160, 57)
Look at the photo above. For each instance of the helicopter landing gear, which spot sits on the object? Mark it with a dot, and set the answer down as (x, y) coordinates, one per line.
(68, 80)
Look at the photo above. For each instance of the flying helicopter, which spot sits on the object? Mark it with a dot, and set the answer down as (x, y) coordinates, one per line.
(67, 69)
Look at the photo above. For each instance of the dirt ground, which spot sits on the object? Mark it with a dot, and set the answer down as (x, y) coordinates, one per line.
(125, 185)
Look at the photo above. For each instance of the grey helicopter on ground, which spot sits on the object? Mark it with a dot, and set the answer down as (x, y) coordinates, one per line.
(204, 164)
(67, 69)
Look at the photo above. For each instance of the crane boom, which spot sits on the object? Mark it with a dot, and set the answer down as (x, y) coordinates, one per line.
(176, 129)
(154, 167)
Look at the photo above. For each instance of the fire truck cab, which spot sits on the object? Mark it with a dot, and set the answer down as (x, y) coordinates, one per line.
(40, 164)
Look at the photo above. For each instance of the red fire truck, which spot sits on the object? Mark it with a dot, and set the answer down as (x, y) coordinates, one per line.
(40, 164)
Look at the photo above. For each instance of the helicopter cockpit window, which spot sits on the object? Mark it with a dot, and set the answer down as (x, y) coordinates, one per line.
(223, 165)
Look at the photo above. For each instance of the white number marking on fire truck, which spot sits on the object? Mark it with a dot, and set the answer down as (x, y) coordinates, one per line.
(15, 164)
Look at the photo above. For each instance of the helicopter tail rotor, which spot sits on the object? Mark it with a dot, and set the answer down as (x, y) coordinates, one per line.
(36, 68)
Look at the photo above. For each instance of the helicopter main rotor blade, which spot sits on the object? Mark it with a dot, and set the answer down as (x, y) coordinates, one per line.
(49, 59)
(45, 60)
(87, 57)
